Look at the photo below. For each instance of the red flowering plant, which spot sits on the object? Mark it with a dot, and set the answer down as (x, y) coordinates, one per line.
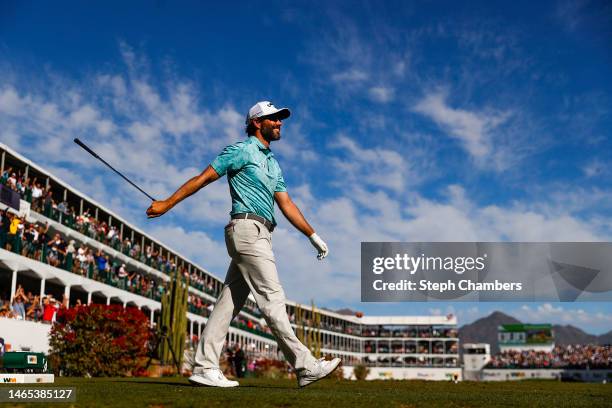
(272, 369)
(99, 340)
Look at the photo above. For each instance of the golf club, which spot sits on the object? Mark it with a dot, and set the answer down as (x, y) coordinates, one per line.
(88, 150)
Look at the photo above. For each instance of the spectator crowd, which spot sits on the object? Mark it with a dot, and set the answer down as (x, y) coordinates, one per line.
(577, 356)
(13, 233)
(26, 306)
(37, 241)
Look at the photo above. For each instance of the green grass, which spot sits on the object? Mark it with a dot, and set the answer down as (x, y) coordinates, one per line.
(253, 393)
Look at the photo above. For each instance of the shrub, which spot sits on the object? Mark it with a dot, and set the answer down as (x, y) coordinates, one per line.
(338, 374)
(361, 371)
(271, 369)
(99, 340)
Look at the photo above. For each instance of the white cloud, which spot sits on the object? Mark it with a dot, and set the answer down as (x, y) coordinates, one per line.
(375, 167)
(10, 137)
(354, 62)
(84, 116)
(473, 129)
(549, 313)
(382, 94)
(115, 83)
(437, 311)
(153, 130)
(295, 146)
(143, 133)
(399, 69)
(352, 75)
(49, 113)
(594, 168)
(518, 225)
(10, 102)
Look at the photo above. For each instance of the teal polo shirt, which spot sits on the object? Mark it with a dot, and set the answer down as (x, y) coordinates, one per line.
(253, 175)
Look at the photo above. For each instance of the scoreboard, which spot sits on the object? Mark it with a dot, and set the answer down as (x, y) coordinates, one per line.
(525, 335)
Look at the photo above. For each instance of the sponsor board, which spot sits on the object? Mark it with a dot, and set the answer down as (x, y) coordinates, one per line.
(26, 378)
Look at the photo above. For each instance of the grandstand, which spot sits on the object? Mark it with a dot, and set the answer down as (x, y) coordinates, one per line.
(63, 248)
(527, 351)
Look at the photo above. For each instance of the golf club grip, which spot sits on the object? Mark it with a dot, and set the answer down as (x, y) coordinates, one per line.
(77, 141)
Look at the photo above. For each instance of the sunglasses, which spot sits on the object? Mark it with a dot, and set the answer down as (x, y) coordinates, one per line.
(272, 118)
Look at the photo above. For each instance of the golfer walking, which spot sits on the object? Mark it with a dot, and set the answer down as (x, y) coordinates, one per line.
(256, 182)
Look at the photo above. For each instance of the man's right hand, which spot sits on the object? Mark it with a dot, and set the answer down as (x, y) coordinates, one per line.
(158, 208)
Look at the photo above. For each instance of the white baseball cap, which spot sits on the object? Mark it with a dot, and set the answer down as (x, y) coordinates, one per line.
(265, 108)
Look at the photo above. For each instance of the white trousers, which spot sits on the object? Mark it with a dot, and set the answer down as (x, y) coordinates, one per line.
(253, 269)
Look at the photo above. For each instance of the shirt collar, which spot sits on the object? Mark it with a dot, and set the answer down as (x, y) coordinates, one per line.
(266, 150)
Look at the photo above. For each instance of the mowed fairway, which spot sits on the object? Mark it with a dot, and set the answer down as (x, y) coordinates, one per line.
(177, 392)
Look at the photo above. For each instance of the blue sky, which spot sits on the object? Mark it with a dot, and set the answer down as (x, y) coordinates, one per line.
(424, 121)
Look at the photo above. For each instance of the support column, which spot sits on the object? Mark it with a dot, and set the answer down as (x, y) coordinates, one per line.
(376, 353)
(190, 330)
(27, 171)
(61, 214)
(89, 297)
(107, 300)
(124, 305)
(42, 289)
(67, 293)
(152, 316)
(2, 162)
(13, 286)
(81, 207)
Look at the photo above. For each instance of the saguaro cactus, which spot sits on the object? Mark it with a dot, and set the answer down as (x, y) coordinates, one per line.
(174, 317)
(316, 332)
(308, 332)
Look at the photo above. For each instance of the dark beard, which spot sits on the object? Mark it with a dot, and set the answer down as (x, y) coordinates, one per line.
(268, 134)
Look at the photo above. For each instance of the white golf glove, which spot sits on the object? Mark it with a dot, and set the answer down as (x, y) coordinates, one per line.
(321, 246)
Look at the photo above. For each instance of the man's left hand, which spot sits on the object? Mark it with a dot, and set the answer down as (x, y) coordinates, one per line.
(320, 245)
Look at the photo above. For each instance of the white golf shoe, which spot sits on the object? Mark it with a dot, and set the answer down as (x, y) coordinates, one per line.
(211, 377)
(321, 369)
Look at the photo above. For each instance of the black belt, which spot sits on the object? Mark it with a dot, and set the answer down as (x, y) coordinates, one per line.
(251, 216)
